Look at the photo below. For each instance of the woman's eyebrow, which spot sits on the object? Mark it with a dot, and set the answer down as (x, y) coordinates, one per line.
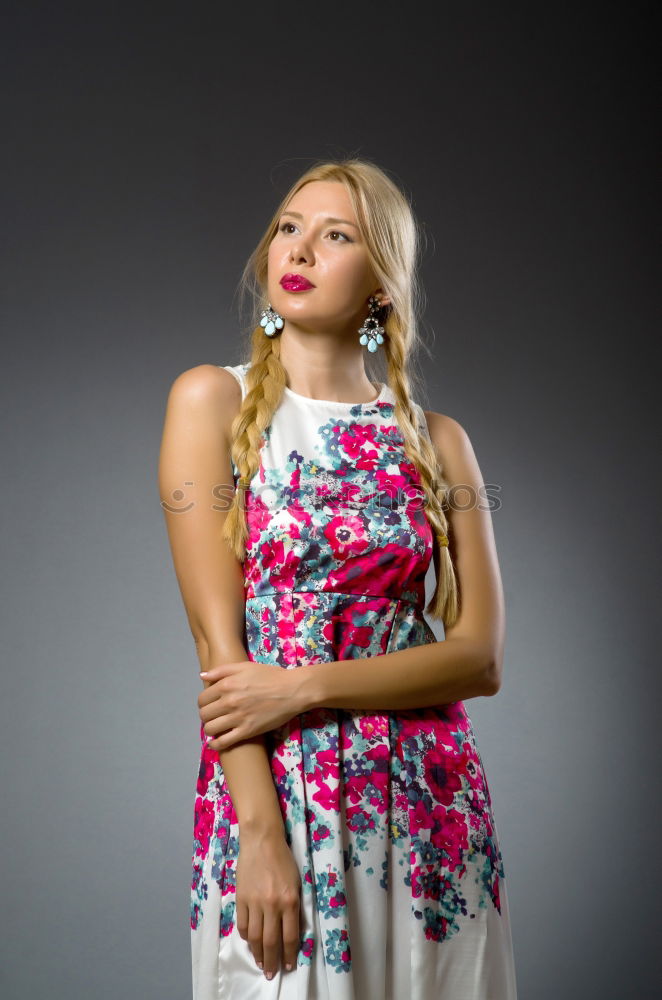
(343, 222)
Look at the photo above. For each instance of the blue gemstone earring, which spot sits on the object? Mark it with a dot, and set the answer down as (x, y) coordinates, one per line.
(271, 321)
(371, 332)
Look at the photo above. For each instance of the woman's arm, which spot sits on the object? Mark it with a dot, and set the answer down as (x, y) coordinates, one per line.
(246, 765)
(469, 662)
(194, 460)
(466, 664)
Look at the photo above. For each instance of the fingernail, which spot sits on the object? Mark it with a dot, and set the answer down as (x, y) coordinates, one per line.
(259, 965)
(269, 975)
(288, 967)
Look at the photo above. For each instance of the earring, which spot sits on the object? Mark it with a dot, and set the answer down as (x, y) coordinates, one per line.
(371, 332)
(271, 321)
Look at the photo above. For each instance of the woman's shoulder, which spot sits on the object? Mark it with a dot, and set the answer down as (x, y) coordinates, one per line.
(441, 425)
(453, 446)
(207, 380)
(205, 395)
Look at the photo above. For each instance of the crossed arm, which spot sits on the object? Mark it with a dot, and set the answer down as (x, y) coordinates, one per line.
(242, 700)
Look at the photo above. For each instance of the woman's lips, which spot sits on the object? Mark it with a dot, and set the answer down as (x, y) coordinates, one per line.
(295, 284)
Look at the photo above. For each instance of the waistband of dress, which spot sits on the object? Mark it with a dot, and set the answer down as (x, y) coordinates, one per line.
(329, 594)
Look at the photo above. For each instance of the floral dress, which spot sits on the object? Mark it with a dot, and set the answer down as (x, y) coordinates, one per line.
(388, 814)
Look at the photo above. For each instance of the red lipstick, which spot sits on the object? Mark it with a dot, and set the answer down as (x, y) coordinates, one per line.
(295, 282)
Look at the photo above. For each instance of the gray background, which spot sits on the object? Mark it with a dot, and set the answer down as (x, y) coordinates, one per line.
(144, 152)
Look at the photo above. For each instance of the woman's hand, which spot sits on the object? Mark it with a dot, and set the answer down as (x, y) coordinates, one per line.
(245, 699)
(268, 889)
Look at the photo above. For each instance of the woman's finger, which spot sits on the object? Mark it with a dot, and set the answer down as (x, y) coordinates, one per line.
(215, 710)
(291, 934)
(255, 926)
(241, 916)
(227, 739)
(216, 727)
(271, 930)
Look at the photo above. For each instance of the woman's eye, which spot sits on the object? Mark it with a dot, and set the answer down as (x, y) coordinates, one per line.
(334, 232)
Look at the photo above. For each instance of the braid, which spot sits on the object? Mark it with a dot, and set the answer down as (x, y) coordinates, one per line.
(266, 379)
(444, 602)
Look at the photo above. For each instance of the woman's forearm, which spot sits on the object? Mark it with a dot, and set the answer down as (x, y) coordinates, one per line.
(251, 786)
(246, 765)
(430, 674)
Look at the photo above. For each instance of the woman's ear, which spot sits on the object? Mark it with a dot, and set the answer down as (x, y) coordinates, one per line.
(384, 300)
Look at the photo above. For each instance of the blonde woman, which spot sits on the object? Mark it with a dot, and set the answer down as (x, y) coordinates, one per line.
(345, 846)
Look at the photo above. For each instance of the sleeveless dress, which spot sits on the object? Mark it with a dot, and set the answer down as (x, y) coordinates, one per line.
(388, 815)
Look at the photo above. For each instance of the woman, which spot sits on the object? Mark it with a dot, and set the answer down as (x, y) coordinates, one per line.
(345, 845)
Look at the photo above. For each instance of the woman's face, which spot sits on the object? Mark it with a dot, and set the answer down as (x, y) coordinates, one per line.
(330, 254)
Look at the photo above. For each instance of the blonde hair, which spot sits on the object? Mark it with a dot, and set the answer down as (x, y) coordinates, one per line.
(390, 232)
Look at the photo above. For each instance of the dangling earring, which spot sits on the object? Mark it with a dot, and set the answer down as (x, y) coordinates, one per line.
(371, 332)
(271, 321)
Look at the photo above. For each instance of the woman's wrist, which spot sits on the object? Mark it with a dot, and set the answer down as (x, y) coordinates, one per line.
(262, 828)
(308, 694)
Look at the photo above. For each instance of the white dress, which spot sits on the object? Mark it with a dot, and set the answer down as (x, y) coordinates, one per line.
(388, 815)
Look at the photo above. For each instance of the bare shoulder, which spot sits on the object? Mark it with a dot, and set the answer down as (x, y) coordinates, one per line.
(195, 445)
(205, 384)
(206, 391)
(454, 449)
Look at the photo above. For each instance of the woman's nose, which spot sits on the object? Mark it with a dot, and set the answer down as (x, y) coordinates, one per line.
(300, 250)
